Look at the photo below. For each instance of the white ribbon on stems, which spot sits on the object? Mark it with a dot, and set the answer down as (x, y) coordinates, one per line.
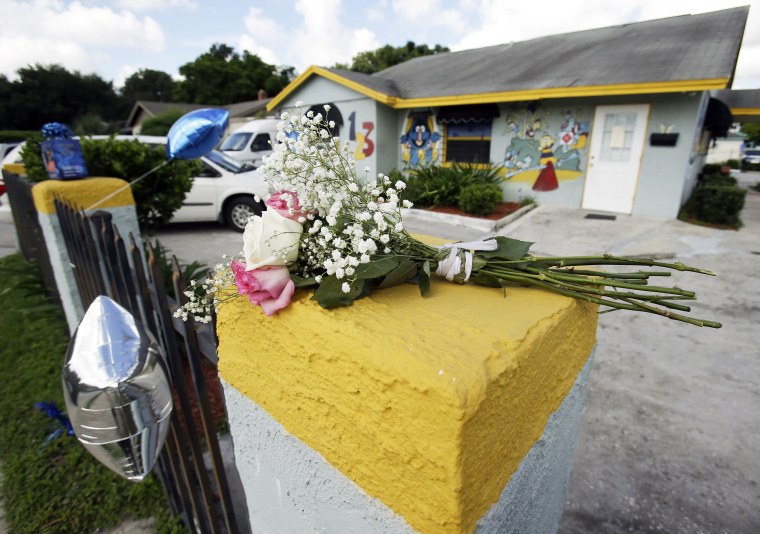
(452, 264)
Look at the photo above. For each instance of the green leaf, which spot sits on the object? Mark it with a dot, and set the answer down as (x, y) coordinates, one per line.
(486, 280)
(301, 282)
(425, 278)
(377, 267)
(508, 249)
(330, 294)
(406, 269)
(478, 262)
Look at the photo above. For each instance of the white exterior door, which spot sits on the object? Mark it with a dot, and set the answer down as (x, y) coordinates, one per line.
(617, 141)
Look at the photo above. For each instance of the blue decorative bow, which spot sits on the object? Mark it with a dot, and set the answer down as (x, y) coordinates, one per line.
(56, 130)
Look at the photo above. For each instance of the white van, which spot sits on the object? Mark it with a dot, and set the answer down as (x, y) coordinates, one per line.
(252, 141)
(225, 190)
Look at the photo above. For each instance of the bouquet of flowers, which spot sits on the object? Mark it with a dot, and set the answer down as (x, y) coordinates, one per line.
(342, 235)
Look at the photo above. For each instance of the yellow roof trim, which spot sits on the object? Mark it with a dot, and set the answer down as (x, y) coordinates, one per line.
(566, 92)
(337, 78)
(745, 111)
(505, 96)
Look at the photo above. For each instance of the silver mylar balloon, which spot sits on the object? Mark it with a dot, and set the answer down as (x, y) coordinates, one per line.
(116, 389)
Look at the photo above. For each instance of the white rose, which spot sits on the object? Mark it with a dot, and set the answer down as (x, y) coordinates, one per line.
(270, 239)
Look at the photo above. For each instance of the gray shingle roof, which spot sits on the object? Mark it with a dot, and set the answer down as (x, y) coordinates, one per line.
(385, 86)
(739, 98)
(688, 47)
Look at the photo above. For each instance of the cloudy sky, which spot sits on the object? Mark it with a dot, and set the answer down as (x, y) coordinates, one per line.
(114, 38)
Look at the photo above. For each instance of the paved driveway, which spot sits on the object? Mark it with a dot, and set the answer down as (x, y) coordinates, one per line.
(670, 434)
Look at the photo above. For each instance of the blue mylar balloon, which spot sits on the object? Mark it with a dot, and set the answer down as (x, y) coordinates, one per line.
(196, 133)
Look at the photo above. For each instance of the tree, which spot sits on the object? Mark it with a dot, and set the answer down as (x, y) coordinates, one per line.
(387, 56)
(222, 76)
(161, 124)
(45, 93)
(149, 84)
(751, 131)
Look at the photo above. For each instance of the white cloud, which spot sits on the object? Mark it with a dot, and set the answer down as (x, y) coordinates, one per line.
(74, 35)
(157, 5)
(498, 22)
(28, 51)
(124, 72)
(323, 40)
(429, 13)
(262, 37)
(262, 28)
(268, 55)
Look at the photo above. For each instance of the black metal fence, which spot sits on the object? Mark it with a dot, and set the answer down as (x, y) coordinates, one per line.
(30, 238)
(104, 264)
(190, 466)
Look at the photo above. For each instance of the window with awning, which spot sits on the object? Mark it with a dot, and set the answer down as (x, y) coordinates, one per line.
(467, 132)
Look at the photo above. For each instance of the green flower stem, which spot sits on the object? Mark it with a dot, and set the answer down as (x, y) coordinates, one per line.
(607, 259)
(676, 316)
(637, 275)
(607, 282)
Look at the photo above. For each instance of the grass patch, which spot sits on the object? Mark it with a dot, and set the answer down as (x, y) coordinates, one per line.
(53, 486)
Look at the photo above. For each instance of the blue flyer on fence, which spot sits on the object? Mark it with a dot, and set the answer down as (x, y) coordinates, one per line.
(63, 159)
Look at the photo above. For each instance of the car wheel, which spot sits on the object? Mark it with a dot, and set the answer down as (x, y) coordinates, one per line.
(239, 210)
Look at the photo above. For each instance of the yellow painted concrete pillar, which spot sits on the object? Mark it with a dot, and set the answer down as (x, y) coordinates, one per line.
(81, 193)
(453, 413)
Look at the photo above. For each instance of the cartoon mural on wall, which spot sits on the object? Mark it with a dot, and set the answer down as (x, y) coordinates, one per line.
(540, 155)
(419, 143)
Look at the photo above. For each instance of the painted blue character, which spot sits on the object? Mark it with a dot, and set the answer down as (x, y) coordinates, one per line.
(419, 143)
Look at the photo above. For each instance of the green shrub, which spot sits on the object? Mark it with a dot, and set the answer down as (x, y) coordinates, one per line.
(161, 124)
(442, 186)
(718, 204)
(733, 163)
(718, 179)
(711, 168)
(480, 199)
(157, 196)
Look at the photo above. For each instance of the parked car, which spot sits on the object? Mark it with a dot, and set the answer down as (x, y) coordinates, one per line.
(252, 141)
(224, 191)
(7, 147)
(751, 158)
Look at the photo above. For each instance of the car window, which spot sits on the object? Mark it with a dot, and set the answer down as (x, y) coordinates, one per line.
(227, 163)
(752, 153)
(236, 141)
(261, 142)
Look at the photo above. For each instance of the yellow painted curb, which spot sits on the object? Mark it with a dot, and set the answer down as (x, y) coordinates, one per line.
(428, 404)
(82, 193)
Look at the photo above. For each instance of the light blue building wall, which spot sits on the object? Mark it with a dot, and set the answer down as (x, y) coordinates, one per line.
(524, 137)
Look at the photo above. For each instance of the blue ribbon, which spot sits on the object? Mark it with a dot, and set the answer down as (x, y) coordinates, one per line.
(51, 410)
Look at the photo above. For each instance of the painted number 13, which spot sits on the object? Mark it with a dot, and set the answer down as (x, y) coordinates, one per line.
(365, 147)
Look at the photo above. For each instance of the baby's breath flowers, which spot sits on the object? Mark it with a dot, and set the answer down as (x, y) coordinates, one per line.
(341, 232)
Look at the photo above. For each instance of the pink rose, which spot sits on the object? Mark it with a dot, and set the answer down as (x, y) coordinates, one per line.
(279, 203)
(268, 287)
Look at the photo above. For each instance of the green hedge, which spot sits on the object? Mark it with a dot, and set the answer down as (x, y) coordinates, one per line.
(480, 199)
(157, 197)
(718, 204)
(52, 485)
(719, 179)
(434, 186)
